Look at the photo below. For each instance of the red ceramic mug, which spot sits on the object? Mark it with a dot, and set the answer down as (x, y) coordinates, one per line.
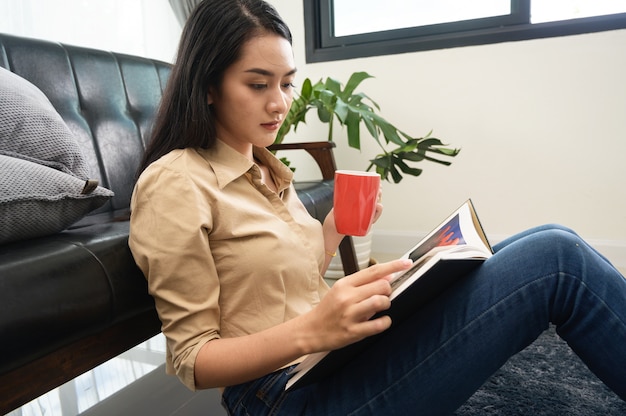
(355, 198)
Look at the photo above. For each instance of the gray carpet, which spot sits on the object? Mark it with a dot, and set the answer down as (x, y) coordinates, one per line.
(546, 379)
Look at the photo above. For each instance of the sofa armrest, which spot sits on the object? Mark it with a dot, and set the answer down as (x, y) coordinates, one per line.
(322, 152)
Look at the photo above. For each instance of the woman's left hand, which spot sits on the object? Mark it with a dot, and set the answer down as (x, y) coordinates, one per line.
(379, 206)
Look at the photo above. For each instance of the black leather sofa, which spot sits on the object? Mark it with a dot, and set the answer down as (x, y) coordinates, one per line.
(75, 299)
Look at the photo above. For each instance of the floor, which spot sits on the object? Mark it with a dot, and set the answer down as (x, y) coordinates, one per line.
(159, 394)
(133, 383)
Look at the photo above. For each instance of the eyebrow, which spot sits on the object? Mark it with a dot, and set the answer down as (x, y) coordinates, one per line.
(265, 72)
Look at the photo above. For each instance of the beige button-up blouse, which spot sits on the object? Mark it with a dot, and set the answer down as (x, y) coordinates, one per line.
(223, 254)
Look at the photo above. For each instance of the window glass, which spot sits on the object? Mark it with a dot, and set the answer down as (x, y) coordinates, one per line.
(137, 27)
(365, 16)
(554, 10)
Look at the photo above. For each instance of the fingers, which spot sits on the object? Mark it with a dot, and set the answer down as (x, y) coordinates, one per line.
(347, 310)
(369, 306)
(371, 327)
(357, 323)
(378, 212)
(368, 290)
(378, 271)
(379, 206)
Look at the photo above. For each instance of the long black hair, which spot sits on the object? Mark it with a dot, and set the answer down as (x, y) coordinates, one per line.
(211, 41)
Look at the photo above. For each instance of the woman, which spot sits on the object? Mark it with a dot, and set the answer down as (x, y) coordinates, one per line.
(235, 263)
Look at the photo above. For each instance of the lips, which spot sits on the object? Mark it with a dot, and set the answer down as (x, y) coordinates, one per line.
(274, 125)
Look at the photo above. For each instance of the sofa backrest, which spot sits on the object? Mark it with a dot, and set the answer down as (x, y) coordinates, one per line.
(108, 100)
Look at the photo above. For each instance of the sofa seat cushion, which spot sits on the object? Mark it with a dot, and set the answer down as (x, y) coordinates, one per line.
(62, 288)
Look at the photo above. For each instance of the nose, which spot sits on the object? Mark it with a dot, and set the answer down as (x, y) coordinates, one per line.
(279, 101)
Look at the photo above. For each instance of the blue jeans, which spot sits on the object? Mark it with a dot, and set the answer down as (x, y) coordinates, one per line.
(434, 361)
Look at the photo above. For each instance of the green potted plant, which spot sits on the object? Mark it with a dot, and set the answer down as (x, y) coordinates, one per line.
(353, 109)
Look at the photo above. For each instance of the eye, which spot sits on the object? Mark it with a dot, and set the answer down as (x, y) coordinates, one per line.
(288, 85)
(258, 87)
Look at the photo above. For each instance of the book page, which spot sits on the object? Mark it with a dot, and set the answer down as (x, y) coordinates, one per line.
(456, 230)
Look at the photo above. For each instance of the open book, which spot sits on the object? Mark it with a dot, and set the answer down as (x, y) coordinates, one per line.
(444, 256)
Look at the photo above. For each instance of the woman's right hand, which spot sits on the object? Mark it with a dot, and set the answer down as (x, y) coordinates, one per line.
(343, 315)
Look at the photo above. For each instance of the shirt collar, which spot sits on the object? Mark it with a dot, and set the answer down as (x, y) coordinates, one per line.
(228, 164)
(282, 174)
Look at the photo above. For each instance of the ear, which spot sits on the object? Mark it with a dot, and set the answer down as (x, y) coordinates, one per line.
(212, 92)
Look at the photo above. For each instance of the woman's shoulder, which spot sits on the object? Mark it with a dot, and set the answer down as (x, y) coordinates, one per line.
(178, 165)
(178, 159)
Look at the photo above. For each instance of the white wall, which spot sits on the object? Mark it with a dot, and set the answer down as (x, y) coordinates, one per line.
(541, 124)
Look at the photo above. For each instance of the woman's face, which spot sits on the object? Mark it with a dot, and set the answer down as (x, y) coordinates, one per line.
(255, 94)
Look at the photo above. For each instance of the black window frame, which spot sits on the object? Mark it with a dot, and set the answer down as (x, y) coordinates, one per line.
(321, 45)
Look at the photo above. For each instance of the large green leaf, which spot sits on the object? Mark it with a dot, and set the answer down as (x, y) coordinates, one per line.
(406, 168)
(307, 89)
(323, 113)
(341, 110)
(354, 81)
(334, 86)
(353, 123)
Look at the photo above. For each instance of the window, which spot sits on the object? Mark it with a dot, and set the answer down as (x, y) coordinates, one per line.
(344, 29)
(137, 27)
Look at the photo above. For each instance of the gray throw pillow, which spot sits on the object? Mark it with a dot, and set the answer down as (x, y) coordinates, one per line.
(36, 200)
(31, 129)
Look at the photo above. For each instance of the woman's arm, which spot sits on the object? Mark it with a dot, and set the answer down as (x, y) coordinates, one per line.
(342, 317)
(332, 239)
